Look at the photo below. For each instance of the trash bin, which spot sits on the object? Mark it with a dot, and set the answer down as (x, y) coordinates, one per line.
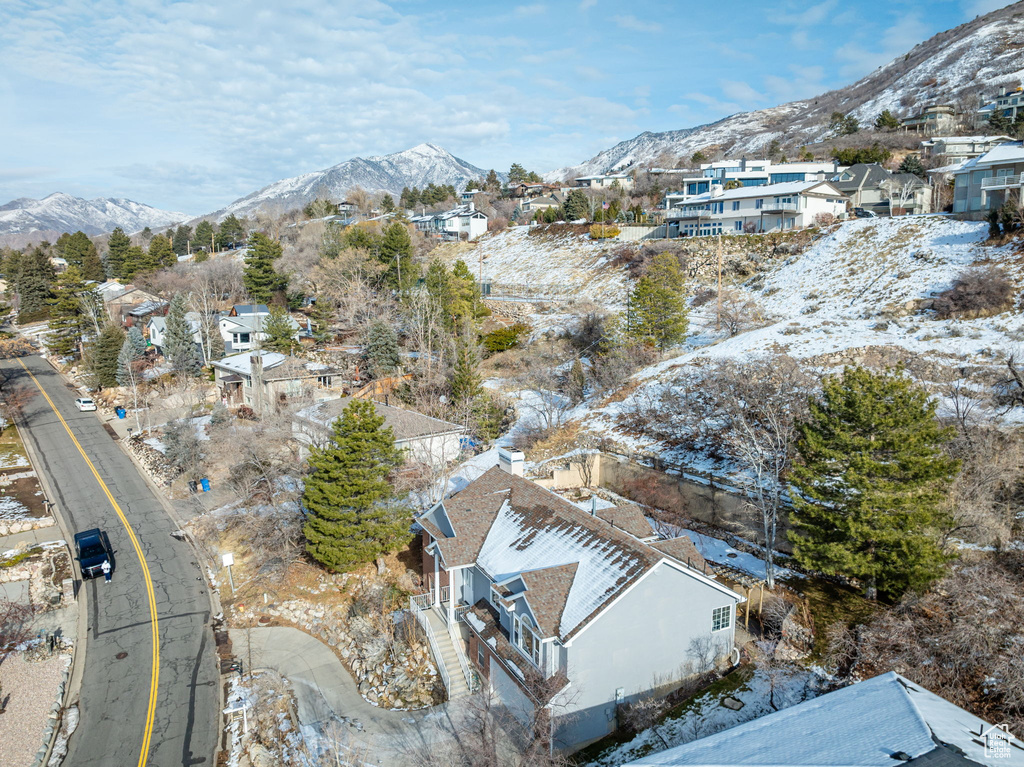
(206, 484)
(120, 412)
(193, 486)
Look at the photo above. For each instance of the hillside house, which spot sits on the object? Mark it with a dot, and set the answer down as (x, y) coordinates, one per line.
(426, 440)
(954, 149)
(746, 173)
(547, 595)
(774, 207)
(541, 203)
(462, 223)
(984, 183)
(881, 722)
(242, 327)
(933, 119)
(156, 330)
(264, 380)
(870, 186)
(1008, 101)
(623, 181)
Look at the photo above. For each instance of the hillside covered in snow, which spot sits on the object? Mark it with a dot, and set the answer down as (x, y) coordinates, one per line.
(957, 65)
(26, 220)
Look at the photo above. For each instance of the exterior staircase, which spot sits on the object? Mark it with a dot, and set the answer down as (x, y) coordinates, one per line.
(444, 646)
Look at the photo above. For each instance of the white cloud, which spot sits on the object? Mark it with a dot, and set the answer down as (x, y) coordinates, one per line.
(740, 91)
(633, 24)
(974, 8)
(587, 4)
(536, 9)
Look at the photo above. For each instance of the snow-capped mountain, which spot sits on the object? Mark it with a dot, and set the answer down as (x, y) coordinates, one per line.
(959, 65)
(28, 220)
(422, 165)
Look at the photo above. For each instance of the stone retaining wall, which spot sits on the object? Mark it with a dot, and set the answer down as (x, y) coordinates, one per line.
(25, 525)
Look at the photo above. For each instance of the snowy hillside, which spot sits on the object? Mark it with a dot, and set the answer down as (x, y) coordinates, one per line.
(417, 167)
(27, 220)
(951, 66)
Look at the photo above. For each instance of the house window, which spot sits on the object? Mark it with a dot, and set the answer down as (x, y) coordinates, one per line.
(324, 381)
(481, 657)
(737, 225)
(759, 204)
(735, 204)
(525, 639)
(721, 618)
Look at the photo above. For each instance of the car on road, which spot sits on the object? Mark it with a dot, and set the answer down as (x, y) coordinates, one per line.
(863, 213)
(92, 549)
(84, 403)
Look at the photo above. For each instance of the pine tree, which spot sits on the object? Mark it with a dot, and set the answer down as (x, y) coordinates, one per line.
(516, 174)
(278, 332)
(68, 321)
(259, 277)
(381, 349)
(352, 516)
(576, 206)
(467, 304)
(887, 121)
(204, 236)
(179, 242)
(33, 277)
(998, 123)
(161, 253)
(492, 183)
(870, 483)
(137, 340)
(466, 382)
(322, 318)
(103, 355)
(137, 261)
(117, 252)
(438, 284)
(230, 230)
(387, 203)
(658, 313)
(396, 255)
(179, 339)
(911, 164)
(78, 250)
(576, 386)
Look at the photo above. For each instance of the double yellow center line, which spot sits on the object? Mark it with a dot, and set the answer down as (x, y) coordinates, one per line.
(155, 674)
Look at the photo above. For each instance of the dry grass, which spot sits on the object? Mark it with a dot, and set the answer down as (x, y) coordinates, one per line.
(558, 442)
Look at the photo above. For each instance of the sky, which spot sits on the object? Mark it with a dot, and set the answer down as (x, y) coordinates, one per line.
(189, 105)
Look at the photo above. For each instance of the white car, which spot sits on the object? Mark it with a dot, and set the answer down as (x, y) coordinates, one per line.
(84, 403)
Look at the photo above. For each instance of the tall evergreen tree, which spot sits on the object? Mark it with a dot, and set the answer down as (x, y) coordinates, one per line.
(32, 276)
(137, 261)
(322, 318)
(117, 252)
(204, 235)
(68, 320)
(912, 164)
(387, 203)
(870, 483)
(278, 331)
(658, 313)
(259, 277)
(137, 340)
(103, 354)
(576, 205)
(466, 383)
(179, 339)
(492, 183)
(181, 239)
(887, 121)
(396, 255)
(161, 253)
(380, 349)
(78, 250)
(352, 516)
(230, 230)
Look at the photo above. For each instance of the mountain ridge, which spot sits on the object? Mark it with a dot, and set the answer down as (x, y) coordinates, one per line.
(945, 68)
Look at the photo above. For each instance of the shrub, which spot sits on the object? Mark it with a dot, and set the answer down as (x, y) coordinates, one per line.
(824, 219)
(603, 232)
(986, 290)
(503, 339)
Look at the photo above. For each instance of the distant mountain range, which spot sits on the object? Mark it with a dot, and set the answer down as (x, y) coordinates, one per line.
(422, 165)
(957, 66)
(25, 220)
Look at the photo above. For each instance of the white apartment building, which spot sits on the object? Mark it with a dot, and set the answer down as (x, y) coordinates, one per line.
(769, 208)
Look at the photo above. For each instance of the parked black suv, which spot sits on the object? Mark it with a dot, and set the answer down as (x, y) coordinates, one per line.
(93, 548)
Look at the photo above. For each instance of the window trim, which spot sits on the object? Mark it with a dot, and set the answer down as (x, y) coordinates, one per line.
(721, 618)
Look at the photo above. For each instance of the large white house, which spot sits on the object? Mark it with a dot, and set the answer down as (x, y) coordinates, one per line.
(747, 173)
(462, 223)
(984, 183)
(774, 207)
(585, 606)
(242, 327)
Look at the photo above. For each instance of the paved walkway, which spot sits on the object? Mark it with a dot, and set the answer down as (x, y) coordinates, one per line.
(327, 694)
(31, 538)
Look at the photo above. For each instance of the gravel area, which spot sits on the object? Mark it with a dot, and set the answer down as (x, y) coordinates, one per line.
(30, 689)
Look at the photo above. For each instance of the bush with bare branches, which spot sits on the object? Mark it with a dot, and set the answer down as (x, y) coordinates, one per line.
(979, 291)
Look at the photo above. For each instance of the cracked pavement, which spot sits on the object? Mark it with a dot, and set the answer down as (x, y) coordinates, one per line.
(118, 646)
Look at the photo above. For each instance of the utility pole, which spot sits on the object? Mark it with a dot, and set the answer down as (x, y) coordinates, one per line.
(718, 323)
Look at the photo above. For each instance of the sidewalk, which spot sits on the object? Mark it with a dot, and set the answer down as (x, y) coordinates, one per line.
(326, 694)
(31, 538)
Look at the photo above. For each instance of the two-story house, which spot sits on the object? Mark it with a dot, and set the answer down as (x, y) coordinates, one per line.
(1008, 102)
(462, 223)
(264, 380)
(623, 181)
(954, 149)
(567, 613)
(984, 183)
(242, 327)
(874, 188)
(773, 207)
(746, 172)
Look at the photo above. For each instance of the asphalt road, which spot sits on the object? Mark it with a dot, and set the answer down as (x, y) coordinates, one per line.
(117, 715)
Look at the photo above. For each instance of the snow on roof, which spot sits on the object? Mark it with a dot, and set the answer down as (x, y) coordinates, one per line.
(862, 725)
(241, 363)
(1004, 153)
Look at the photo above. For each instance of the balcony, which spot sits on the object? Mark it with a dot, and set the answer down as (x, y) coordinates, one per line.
(771, 206)
(1002, 182)
(682, 214)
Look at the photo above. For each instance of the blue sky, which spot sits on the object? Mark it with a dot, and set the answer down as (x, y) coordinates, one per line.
(189, 105)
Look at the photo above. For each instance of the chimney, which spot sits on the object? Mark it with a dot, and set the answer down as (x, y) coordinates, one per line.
(593, 505)
(511, 461)
(472, 205)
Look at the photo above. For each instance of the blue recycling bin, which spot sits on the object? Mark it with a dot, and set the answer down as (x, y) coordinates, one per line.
(120, 412)
(206, 484)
